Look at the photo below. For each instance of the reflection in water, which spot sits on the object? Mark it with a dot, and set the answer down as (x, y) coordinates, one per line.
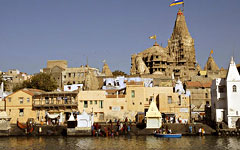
(118, 143)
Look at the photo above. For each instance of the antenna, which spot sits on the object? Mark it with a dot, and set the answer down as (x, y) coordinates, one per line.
(233, 52)
(87, 60)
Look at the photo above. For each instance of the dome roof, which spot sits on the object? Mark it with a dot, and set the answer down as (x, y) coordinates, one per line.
(154, 50)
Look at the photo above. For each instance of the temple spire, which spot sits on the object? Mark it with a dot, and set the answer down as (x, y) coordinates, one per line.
(180, 27)
(211, 64)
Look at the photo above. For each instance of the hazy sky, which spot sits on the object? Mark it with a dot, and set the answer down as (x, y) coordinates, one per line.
(34, 31)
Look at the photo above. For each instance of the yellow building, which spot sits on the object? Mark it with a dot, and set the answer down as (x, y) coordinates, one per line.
(168, 102)
(104, 105)
(19, 105)
(92, 102)
(40, 105)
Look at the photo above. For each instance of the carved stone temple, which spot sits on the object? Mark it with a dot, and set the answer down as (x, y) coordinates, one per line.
(177, 59)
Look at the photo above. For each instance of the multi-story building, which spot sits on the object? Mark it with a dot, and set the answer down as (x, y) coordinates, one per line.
(68, 76)
(14, 77)
(200, 97)
(19, 105)
(40, 105)
(225, 97)
(107, 104)
(169, 103)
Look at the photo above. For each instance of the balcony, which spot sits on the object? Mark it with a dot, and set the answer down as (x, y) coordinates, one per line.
(55, 100)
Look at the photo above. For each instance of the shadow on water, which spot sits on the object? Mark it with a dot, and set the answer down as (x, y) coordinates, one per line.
(118, 143)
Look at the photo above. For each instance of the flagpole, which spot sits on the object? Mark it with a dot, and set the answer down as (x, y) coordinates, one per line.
(182, 7)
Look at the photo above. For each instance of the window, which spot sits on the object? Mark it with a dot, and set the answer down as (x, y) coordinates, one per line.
(46, 100)
(65, 76)
(69, 75)
(20, 100)
(221, 89)
(133, 93)
(101, 104)
(28, 100)
(169, 99)
(91, 102)
(85, 104)
(110, 107)
(9, 112)
(9, 99)
(95, 102)
(234, 88)
(122, 107)
(206, 95)
(140, 103)
(179, 98)
(146, 99)
(21, 112)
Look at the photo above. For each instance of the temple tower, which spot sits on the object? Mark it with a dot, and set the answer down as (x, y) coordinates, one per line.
(181, 44)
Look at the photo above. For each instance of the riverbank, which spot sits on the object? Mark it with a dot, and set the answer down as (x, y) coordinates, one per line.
(45, 130)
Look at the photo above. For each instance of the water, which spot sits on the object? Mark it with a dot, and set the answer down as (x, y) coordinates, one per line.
(119, 143)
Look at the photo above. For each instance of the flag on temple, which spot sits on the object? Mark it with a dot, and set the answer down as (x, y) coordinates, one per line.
(211, 51)
(176, 2)
(153, 37)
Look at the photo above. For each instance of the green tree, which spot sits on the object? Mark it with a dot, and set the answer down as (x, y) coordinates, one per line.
(119, 73)
(42, 81)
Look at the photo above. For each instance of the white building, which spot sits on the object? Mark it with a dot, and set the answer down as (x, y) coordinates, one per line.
(73, 87)
(154, 117)
(120, 82)
(226, 97)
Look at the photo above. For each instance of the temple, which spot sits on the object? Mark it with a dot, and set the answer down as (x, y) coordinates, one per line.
(177, 59)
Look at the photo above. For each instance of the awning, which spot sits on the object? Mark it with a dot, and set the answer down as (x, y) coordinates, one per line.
(53, 116)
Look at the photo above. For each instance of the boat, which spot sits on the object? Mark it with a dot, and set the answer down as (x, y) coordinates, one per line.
(168, 135)
(29, 125)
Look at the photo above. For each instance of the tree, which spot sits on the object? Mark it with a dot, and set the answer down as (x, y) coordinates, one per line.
(119, 73)
(42, 81)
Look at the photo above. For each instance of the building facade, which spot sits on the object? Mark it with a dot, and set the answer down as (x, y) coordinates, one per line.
(225, 95)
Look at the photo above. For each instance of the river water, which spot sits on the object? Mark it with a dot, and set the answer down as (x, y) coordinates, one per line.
(119, 143)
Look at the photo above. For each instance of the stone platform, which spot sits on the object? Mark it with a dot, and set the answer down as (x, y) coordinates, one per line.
(79, 131)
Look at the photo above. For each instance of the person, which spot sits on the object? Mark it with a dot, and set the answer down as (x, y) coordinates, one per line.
(129, 128)
(110, 123)
(106, 131)
(169, 131)
(190, 129)
(200, 131)
(203, 131)
(106, 121)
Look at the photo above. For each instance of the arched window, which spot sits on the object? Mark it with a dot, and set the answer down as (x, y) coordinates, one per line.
(234, 88)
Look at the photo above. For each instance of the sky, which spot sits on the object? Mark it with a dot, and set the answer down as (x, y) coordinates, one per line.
(34, 31)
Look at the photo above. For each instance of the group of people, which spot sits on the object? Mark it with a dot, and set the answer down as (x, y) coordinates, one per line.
(163, 130)
(111, 129)
(201, 131)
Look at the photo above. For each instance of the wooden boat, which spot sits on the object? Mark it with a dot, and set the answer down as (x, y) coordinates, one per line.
(28, 126)
(168, 135)
(22, 126)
